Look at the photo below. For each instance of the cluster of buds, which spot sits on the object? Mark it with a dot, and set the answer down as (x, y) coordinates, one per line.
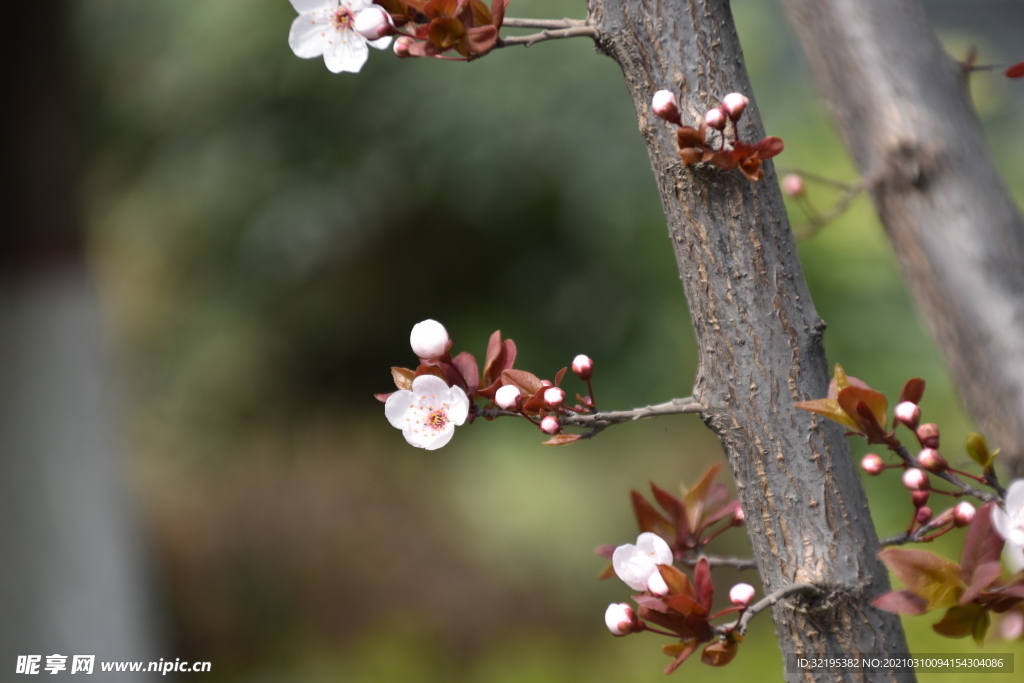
(440, 393)
(431, 28)
(716, 140)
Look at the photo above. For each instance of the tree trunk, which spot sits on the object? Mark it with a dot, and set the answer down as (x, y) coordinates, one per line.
(760, 339)
(902, 106)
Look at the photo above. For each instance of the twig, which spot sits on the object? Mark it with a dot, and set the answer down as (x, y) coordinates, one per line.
(901, 450)
(546, 34)
(510, 22)
(918, 535)
(769, 600)
(731, 562)
(676, 406)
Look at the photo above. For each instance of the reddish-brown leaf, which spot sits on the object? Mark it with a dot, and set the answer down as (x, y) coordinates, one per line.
(480, 12)
(430, 370)
(1016, 70)
(648, 518)
(559, 375)
(913, 390)
(669, 503)
(874, 400)
(606, 573)
(498, 12)
(403, 378)
(933, 578)
(527, 382)
(466, 364)
(702, 582)
(901, 602)
(695, 499)
(752, 168)
(983, 544)
(562, 439)
(725, 511)
(494, 349)
(682, 652)
(678, 583)
(829, 407)
(960, 622)
(691, 155)
(984, 576)
(769, 147)
(686, 606)
(383, 398)
(689, 137)
(482, 39)
(720, 652)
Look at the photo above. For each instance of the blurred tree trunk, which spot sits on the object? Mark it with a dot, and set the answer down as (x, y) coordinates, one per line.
(71, 580)
(760, 339)
(902, 106)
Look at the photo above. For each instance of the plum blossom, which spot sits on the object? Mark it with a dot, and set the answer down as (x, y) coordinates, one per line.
(429, 339)
(327, 27)
(429, 413)
(634, 564)
(1009, 524)
(620, 619)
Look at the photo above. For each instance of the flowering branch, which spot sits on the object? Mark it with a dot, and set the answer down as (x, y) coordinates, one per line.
(598, 422)
(548, 34)
(768, 601)
(899, 449)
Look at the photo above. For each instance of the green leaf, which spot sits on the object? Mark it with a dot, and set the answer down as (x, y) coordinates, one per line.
(829, 407)
(977, 448)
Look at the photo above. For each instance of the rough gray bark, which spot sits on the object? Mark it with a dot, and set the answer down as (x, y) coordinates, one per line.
(759, 336)
(902, 106)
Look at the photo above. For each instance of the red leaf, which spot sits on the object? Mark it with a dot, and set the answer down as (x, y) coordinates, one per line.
(982, 545)
(430, 370)
(606, 551)
(984, 576)
(696, 498)
(466, 364)
(912, 391)
(874, 400)
(1016, 70)
(527, 382)
(559, 376)
(769, 147)
(901, 602)
(931, 577)
(684, 651)
(725, 511)
(669, 503)
(562, 439)
(678, 583)
(686, 606)
(689, 137)
(702, 582)
(498, 12)
(482, 39)
(647, 517)
(510, 355)
(720, 653)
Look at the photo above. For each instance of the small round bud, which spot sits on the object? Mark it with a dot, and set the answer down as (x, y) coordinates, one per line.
(1011, 626)
(908, 413)
(915, 480)
(583, 366)
(738, 518)
(734, 104)
(919, 498)
(666, 106)
(554, 396)
(588, 402)
(793, 185)
(373, 23)
(715, 118)
(402, 45)
(963, 513)
(620, 619)
(429, 340)
(549, 425)
(741, 595)
(924, 515)
(546, 383)
(932, 460)
(509, 397)
(873, 464)
(656, 584)
(928, 435)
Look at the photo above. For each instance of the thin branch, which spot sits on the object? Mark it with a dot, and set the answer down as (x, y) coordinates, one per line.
(574, 32)
(732, 562)
(918, 535)
(901, 450)
(510, 22)
(598, 422)
(771, 599)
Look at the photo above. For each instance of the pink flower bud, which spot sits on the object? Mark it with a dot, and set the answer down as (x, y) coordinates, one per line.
(915, 480)
(734, 104)
(665, 105)
(546, 383)
(908, 413)
(509, 397)
(373, 23)
(549, 425)
(873, 464)
(656, 584)
(931, 460)
(620, 619)
(738, 518)
(429, 340)
(924, 514)
(963, 513)
(928, 435)
(1011, 626)
(741, 595)
(588, 402)
(715, 118)
(583, 366)
(554, 396)
(919, 498)
(793, 185)
(402, 45)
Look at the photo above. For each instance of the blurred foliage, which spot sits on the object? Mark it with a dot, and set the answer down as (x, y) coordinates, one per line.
(266, 233)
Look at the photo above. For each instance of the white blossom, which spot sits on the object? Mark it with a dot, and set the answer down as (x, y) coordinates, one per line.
(429, 339)
(634, 564)
(619, 618)
(429, 413)
(1009, 524)
(327, 27)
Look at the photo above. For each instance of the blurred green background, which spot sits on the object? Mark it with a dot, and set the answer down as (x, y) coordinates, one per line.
(265, 234)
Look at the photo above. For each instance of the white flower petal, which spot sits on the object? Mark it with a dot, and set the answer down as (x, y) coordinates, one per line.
(1015, 495)
(655, 546)
(380, 43)
(1013, 555)
(345, 51)
(432, 386)
(309, 34)
(442, 437)
(1001, 521)
(357, 5)
(313, 5)
(458, 406)
(633, 566)
(397, 407)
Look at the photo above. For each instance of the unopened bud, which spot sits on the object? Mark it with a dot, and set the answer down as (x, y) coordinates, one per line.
(873, 464)
(665, 105)
(924, 515)
(509, 397)
(738, 518)
(919, 498)
(793, 185)
(734, 104)
(429, 340)
(908, 413)
(620, 619)
(402, 45)
(932, 460)
(963, 513)
(715, 118)
(741, 595)
(588, 402)
(546, 383)
(915, 480)
(583, 366)
(928, 435)
(554, 396)
(549, 425)
(373, 23)
(656, 584)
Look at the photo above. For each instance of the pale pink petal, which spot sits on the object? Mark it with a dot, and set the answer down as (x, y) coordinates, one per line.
(1015, 495)
(458, 406)
(345, 51)
(313, 5)
(357, 5)
(309, 34)
(442, 437)
(1001, 521)
(655, 547)
(431, 385)
(380, 43)
(397, 407)
(1013, 555)
(633, 566)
